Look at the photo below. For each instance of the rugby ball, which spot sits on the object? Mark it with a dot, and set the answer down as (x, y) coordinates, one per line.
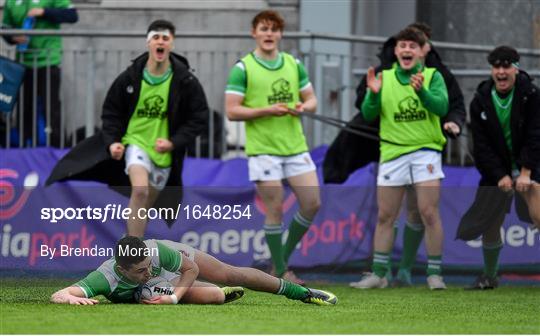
(157, 286)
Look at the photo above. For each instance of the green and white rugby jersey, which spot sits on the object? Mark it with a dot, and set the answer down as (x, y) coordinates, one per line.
(108, 281)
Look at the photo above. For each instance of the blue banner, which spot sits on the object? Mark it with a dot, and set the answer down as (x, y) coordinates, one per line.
(51, 228)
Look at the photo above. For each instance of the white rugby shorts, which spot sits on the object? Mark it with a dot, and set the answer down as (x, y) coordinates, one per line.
(412, 168)
(274, 168)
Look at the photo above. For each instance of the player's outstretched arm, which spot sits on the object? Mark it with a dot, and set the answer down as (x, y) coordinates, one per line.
(72, 295)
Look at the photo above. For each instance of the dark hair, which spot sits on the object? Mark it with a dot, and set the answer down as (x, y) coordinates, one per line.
(411, 34)
(503, 55)
(161, 25)
(423, 27)
(124, 255)
(270, 16)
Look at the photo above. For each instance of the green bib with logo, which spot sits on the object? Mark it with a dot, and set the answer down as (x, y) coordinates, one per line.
(405, 120)
(273, 135)
(150, 121)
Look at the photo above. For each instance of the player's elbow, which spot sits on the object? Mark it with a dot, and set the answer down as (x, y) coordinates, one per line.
(313, 102)
(231, 115)
(233, 107)
(233, 112)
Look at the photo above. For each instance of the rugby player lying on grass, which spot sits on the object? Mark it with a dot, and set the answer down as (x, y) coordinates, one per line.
(119, 278)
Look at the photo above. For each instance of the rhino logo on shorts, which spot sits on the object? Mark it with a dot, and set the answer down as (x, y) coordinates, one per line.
(153, 108)
(409, 110)
(281, 92)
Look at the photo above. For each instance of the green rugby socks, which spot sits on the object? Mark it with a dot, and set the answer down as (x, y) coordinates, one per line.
(380, 263)
(292, 291)
(412, 237)
(299, 226)
(434, 265)
(273, 235)
(491, 258)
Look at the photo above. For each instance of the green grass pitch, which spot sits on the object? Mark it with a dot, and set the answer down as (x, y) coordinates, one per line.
(24, 308)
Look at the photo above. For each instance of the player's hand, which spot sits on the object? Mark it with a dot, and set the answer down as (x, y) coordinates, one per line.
(374, 83)
(74, 300)
(35, 12)
(452, 128)
(163, 145)
(19, 39)
(163, 299)
(523, 183)
(117, 150)
(278, 109)
(417, 80)
(299, 107)
(505, 184)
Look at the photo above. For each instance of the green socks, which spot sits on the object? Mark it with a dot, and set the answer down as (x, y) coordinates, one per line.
(273, 239)
(297, 229)
(412, 237)
(380, 263)
(434, 265)
(292, 291)
(280, 253)
(491, 258)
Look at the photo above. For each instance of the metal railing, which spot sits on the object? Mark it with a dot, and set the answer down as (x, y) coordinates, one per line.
(92, 59)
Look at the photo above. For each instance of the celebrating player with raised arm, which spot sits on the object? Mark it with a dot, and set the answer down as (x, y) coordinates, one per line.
(410, 100)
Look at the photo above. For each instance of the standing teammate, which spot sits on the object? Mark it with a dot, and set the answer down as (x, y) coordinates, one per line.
(505, 121)
(341, 160)
(137, 261)
(265, 89)
(152, 111)
(452, 125)
(410, 100)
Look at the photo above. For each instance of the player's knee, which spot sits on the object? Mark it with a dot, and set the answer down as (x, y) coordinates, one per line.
(274, 209)
(413, 215)
(311, 208)
(140, 194)
(429, 215)
(385, 218)
(234, 276)
(535, 219)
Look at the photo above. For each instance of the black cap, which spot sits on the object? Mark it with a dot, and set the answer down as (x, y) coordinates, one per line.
(503, 56)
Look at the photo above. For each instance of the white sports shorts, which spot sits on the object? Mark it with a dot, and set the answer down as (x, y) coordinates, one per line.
(157, 176)
(274, 168)
(412, 168)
